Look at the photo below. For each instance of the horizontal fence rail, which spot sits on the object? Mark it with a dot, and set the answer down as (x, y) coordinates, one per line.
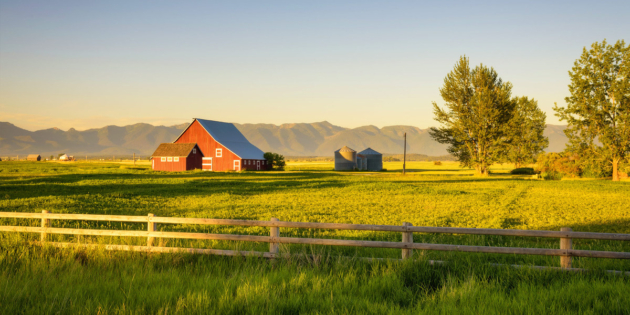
(316, 225)
(407, 229)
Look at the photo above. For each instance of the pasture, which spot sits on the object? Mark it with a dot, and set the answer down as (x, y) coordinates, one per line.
(42, 280)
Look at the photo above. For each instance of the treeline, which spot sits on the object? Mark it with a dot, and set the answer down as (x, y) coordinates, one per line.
(417, 157)
(484, 124)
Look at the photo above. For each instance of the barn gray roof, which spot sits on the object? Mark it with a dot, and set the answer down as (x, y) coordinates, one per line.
(369, 151)
(174, 149)
(230, 137)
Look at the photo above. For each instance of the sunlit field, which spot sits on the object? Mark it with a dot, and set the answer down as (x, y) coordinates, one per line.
(426, 168)
(35, 279)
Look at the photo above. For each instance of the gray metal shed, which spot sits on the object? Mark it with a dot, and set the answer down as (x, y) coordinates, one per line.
(374, 159)
(345, 159)
(361, 162)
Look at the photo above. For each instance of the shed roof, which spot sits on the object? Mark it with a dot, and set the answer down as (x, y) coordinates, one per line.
(230, 137)
(174, 149)
(33, 156)
(369, 151)
(345, 149)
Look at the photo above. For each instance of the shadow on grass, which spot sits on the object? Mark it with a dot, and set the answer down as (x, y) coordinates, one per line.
(167, 184)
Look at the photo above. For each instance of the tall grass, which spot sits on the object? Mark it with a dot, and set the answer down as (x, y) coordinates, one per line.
(47, 280)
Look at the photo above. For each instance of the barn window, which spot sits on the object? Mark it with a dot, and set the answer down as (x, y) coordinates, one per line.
(219, 152)
(163, 159)
(169, 159)
(194, 150)
(176, 159)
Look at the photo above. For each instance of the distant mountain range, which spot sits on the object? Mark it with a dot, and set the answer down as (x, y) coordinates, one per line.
(302, 139)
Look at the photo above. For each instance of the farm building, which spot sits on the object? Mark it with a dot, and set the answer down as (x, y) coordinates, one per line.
(345, 159)
(177, 157)
(33, 157)
(374, 160)
(64, 157)
(224, 146)
(361, 162)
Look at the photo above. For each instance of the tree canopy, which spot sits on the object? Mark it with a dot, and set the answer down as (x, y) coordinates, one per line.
(598, 109)
(275, 160)
(525, 133)
(476, 119)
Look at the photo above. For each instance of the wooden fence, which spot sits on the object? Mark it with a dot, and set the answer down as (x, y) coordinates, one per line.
(274, 239)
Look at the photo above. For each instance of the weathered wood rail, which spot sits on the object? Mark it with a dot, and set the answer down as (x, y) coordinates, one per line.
(274, 239)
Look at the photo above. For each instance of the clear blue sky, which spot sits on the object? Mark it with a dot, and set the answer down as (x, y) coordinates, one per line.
(86, 64)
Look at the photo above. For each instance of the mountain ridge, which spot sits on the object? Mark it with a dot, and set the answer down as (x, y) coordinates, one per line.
(292, 139)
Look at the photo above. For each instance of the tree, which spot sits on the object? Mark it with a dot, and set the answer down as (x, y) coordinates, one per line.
(475, 121)
(275, 160)
(525, 133)
(598, 110)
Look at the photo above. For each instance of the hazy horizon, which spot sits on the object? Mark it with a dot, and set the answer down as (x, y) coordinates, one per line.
(86, 65)
(187, 122)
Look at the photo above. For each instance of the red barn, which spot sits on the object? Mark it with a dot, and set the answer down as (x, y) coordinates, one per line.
(176, 157)
(225, 148)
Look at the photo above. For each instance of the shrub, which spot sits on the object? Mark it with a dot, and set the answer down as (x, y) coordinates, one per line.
(275, 160)
(595, 168)
(558, 165)
(437, 163)
(551, 175)
(523, 171)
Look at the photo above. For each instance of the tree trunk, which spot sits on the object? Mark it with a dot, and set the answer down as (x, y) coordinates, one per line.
(615, 164)
(517, 165)
(481, 170)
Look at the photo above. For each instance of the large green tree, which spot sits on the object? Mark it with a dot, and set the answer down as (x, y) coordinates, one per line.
(525, 134)
(598, 110)
(476, 119)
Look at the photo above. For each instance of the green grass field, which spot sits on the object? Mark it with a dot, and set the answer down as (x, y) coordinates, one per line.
(43, 280)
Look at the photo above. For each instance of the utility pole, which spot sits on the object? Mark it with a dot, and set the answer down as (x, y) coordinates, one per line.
(405, 154)
(134, 159)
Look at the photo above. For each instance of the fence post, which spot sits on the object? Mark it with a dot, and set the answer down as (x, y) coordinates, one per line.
(407, 237)
(565, 243)
(45, 224)
(151, 228)
(274, 231)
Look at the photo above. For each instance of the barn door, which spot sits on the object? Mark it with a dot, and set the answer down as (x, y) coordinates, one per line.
(206, 164)
(237, 165)
(258, 165)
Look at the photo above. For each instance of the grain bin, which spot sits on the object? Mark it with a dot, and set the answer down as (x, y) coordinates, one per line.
(361, 162)
(345, 159)
(374, 159)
